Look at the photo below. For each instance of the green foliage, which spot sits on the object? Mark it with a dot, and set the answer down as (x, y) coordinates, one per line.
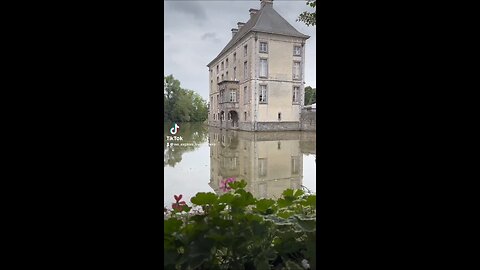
(236, 231)
(310, 95)
(309, 18)
(182, 105)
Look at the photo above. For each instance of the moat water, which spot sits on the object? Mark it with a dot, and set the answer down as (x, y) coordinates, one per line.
(199, 158)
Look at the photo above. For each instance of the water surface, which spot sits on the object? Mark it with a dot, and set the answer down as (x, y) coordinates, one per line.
(205, 156)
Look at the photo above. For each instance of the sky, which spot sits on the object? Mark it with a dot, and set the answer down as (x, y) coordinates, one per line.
(196, 31)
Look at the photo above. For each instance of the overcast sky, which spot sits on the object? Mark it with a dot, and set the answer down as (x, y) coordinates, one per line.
(196, 32)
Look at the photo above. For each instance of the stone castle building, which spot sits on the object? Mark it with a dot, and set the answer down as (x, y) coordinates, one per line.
(257, 80)
(269, 162)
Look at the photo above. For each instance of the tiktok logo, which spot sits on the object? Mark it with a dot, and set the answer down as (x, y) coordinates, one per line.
(174, 129)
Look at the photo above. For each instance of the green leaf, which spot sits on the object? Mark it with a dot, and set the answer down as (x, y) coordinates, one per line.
(203, 198)
(285, 213)
(263, 204)
(298, 193)
(282, 203)
(308, 225)
(310, 200)
(288, 193)
(226, 198)
(171, 225)
(238, 184)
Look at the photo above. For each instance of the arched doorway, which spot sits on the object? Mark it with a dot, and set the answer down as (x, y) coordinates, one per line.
(233, 117)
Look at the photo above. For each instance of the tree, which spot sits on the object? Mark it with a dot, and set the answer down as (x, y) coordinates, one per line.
(310, 95)
(182, 105)
(309, 18)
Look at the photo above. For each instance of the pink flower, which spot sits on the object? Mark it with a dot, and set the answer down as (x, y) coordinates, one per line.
(224, 184)
(179, 204)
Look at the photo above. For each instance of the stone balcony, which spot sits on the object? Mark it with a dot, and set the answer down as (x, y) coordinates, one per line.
(228, 105)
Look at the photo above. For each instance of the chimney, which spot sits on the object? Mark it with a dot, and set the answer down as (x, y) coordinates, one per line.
(240, 24)
(234, 31)
(252, 12)
(266, 2)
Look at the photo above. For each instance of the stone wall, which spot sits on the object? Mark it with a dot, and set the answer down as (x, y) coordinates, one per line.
(277, 126)
(308, 120)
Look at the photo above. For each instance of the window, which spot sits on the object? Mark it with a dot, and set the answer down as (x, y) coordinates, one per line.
(245, 51)
(217, 80)
(245, 165)
(263, 94)
(279, 116)
(245, 95)
(297, 50)
(263, 68)
(245, 70)
(234, 57)
(262, 167)
(226, 75)
(211, 84)
(233, 95)
(245, 115)
(296, 71)
(295, 97)
(263, 47)
(235, 73)
(279, 145)
(222, 65)
(222, 77)
(211, 99)
(226, 63)
(217, 70)
(295, 165)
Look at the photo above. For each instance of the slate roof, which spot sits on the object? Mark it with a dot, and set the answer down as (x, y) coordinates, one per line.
(266, 20)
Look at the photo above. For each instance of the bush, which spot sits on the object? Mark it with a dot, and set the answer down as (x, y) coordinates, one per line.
(237, 231)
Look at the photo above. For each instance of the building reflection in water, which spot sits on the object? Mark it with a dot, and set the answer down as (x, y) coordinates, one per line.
(269, 162)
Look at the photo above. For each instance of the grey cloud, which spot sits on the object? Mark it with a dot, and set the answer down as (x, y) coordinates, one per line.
(193, 8)
(210, 36)
(196, 31)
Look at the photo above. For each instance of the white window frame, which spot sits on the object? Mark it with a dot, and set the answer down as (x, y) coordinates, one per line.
(263, 97)
(245, 70)
(263, 68)
(295, 94)
(265, 49)
(245, 94)
(295, 51)
(233, 95)
(262, 167)
(299, 75)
